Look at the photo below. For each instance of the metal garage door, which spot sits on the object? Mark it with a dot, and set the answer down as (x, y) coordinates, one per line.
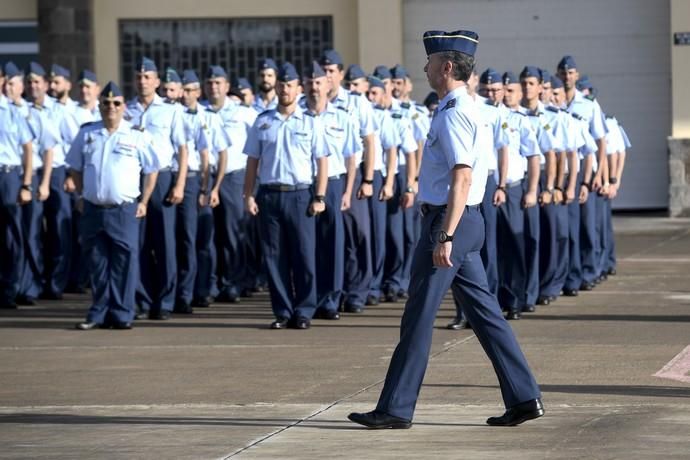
(623, 45)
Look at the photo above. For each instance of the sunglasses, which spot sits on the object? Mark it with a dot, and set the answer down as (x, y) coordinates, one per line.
(108, 103)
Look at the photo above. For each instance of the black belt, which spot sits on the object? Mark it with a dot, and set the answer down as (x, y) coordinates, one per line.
(286, 187)
(189, 173)
(108, 206)
(9, 168)
(514, 184)
(168, 169)
(428, 208)
(338, 177)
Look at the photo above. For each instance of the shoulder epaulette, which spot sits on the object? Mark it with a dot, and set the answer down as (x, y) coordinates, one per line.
(419, 105)
(169, 101)
(519, 113)
(551, 108)
(590, 97)
(450, 104)
(88, 123)
(420, 108)
(379, 107)
(533, 114)
(609, 116)
(355, 93)
(576, 116)
(396, 115)
(405, 105)
(265, 112)
(138, 128)
(309, 113)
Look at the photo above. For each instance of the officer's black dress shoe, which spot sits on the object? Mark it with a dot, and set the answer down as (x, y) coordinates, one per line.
(528, 309)
(587, 287)
(162, 315)
(280, 323)
(611, 272)
(327, 314)
(87, 325)
(458, 324)
(353, 308)
(402, 294)
(121, 326)
(247, 292)
(202, 302)
(8, 305)
(142, 315)
(301, 323)
(513, 315)
(544, 300)
(518, 414)
(391, 296)
(604, 276)
(570, 292)
(372, 300)
(378, 420)
(50, 295)
(26, 300)
(74, 289)
(183, 308)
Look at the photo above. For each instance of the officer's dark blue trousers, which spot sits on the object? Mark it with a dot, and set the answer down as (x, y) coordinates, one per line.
(589, 240)
(11, 238)
(602, 207)
(110, 238)
(394, 257)
(31, 283)
(358, 252)
(548, 247)
(78, 276)
(157, 288)
(511, 250)
(562, 258)
(428, 286)
(573, 279)
(532, 227)
(187, 221)
(206, 284)
(610, 259)
(377, 214)
(489, 250)
(410, 230)
(231, 223)
(288, 235)
(57, 240)
(255, 269)
(330, 248)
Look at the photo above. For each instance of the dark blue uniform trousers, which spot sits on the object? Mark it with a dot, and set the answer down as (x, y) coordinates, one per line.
(187, 222)
(548, 247)
(206, 283)
(562, 259)
(31, 283)
(377, 214)
(511, 250)
(231, 225)
(110, 238)
(78, 275)
(57, 240)
(532, 227)
(157, 287)
(330, 248)
(573, 278)
(358, 252)
(11, 238)
(610, 247)
(410, 230)
(428, 285)
(603, 208)
(394, 257)
(288, 235)
(588, 239)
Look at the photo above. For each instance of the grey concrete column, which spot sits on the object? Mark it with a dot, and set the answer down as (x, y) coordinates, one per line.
(679, 168)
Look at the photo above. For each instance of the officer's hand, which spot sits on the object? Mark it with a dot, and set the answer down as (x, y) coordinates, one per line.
(141, 210)
(176, 195)
(43, 192)
(365, 191)
(441, 256)
(386, 193)
(529, 200)
(604, 190)
(214, 199)
(407, 200)
(69, 185)
(584, 194)
(345, 202)
(557, 197)
(596, 183)
(24, 197)
(545, 198)
(317, 207)
(203, 200)
(499, 197)
(613, 191)
(569, 195)
(251, 206)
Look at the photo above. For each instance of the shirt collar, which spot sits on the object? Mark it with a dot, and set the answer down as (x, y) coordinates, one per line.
(298, 113)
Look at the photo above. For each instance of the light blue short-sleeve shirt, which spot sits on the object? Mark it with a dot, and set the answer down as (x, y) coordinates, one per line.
(14, 133)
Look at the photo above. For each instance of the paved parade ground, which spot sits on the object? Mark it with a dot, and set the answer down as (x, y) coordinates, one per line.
(613, 365)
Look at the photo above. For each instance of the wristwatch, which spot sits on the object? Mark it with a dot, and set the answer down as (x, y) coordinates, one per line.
(368, 181)
(409, 189)
(27, 187)
(319, 198)
(444, 237)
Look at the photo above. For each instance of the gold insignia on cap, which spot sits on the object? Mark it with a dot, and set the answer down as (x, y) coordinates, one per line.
(110, 94)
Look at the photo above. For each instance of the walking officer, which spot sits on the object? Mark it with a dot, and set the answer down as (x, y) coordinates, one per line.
(106, 160)
(87, 108)
(451, 186)
(284, 146)
(266, 99)
(149, 112)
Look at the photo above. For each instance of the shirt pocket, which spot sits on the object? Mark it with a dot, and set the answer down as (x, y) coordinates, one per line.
(301, 139)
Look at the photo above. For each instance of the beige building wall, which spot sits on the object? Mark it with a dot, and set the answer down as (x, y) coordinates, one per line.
(107, 14)
(380, 33)
(680, 70)
(18, 9)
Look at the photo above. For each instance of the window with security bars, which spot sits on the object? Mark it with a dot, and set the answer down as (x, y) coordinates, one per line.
(235, 44)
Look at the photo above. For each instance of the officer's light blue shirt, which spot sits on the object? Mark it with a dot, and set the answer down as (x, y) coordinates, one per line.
(237, 122)
(385, 137)
(14, 133)
(163, 122)
(196, 140)
(259, 106)
(522, 143)
(590, 111)
(358, 106)
(403, 124)
(84, 115)
(111, 164)
(419, 116)
(59, 120)
(614, 138)
(45, 134)
(452, 141)
(494, 136)
(216, 136)
(286, 148)
(626, 140)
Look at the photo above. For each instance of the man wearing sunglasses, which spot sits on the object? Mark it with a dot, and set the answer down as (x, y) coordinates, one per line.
(105, 160)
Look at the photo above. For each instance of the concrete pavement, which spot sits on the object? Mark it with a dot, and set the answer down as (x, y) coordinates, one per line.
(220, 384)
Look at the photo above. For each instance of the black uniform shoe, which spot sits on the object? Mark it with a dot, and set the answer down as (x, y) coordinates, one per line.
(570, 292)
(247, 292)
(8, 305)
(301, 323)
(513, 315)
(327, 314)
(50, 295)
(402, 294)
(528, 309)
(122, 326)
(279, 323)
(372, 300)
(391, 296)
(378, 420)
(587, 287)
(611, 272)
(26, 300)
(162, 315)
(353, 308)
(202, 302)
(183, 308)
(141, 314)
(87, 325)
(458, 324)
(544, 300)
(518, 414)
